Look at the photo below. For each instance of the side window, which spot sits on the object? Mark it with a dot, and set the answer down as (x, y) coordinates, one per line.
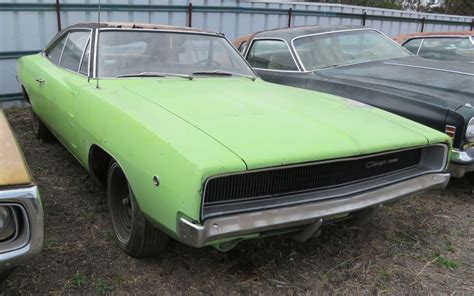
(413, 45)
(54, 54)
(271, 54)
(84, 69)
(242, 47)
(442, 48)
(73, 50)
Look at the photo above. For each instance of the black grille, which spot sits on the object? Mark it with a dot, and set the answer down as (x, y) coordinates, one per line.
(311, 177)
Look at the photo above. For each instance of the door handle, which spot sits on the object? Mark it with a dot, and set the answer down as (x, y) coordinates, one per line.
(40, 81)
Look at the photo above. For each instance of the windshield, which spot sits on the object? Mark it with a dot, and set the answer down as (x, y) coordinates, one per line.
(129, 53)
(342, 48)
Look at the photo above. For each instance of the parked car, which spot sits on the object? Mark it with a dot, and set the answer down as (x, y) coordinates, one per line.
(448, 46)
(367, 66)
(189, 143)
(21, 210)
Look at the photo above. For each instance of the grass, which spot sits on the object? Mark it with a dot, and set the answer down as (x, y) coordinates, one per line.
(50, 243)
(79, 279)
(445, 262)
(102, 287)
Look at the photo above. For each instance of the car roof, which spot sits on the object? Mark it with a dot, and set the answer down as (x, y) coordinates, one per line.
(292, 32)
(138, 26)
(403, 38)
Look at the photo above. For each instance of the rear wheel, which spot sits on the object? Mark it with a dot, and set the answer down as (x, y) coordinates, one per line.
(40, 130)
(134, 233)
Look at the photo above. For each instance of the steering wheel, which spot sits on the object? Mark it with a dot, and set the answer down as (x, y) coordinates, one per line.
(205, 63)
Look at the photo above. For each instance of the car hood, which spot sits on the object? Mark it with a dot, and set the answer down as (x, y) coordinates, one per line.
(270, 125)
(446, 84)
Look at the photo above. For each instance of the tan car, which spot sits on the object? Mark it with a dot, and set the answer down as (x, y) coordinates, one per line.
(21, 210)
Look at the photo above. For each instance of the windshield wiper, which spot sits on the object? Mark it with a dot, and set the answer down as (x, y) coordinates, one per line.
(223, 73)
(156, 74)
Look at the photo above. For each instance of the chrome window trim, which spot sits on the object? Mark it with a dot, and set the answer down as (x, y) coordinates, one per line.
(343, 31)
(52, 44)
(82, 56)
(62, 50)
(435, 36)
(419, 47)
(94, 66)
(249, 47)
(441, 169)
(98, 30)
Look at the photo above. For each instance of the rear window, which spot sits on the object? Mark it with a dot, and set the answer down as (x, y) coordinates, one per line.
(271, 54)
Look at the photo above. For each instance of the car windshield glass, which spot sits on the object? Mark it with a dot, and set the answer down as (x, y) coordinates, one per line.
(342, 48)
(125, 53)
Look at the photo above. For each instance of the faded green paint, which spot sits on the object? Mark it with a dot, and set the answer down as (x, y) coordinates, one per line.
(187, 130)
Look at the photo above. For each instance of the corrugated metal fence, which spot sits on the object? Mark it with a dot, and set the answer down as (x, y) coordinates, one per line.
(26, 27)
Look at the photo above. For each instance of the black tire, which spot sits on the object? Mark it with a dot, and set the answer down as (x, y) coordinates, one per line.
(4, 274)
(133, 232)
(470, 177)
(40, 130)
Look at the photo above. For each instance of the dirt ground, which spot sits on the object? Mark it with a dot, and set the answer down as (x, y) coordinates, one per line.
(421, 245)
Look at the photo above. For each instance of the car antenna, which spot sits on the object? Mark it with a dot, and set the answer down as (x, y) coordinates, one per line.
(97, 49)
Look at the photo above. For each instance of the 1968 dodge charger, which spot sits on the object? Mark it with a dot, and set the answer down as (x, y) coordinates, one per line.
(190, 144)
(365, 65)
(21, 211)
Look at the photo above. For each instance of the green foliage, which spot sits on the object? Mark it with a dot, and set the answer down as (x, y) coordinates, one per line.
(445, 262)
(79, 279)
(102, 287)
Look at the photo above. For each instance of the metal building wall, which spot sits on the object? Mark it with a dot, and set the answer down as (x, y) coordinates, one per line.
(26, 26)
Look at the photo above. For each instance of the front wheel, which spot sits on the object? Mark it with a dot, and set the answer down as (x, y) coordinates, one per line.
(134, 233)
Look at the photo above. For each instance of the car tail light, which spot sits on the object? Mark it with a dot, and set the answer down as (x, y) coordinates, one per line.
(450, 131)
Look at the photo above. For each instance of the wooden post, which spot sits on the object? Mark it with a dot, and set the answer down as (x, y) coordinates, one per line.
(190, 15)
(58, 14)
(290, 13)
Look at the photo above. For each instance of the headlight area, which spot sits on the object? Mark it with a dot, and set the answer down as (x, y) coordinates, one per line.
(470, 132)
(14, 230)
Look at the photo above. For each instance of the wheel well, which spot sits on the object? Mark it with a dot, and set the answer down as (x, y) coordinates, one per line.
(25, 94)
(99, 161)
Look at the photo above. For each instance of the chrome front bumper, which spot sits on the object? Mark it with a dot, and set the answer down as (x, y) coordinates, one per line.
(27, 199)
(238, 225)
(462, 162)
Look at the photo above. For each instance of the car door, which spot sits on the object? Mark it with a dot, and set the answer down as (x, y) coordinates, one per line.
(62, 82)
(37, 91)
(274, 62)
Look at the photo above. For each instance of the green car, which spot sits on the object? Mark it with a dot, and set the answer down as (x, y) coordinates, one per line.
(190, 144)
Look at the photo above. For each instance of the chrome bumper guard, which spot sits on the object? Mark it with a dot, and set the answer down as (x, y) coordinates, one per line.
(29, 242)
(237, 225)
(462, 162)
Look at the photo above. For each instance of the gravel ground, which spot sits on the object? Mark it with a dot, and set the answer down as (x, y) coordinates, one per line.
(421, 245)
